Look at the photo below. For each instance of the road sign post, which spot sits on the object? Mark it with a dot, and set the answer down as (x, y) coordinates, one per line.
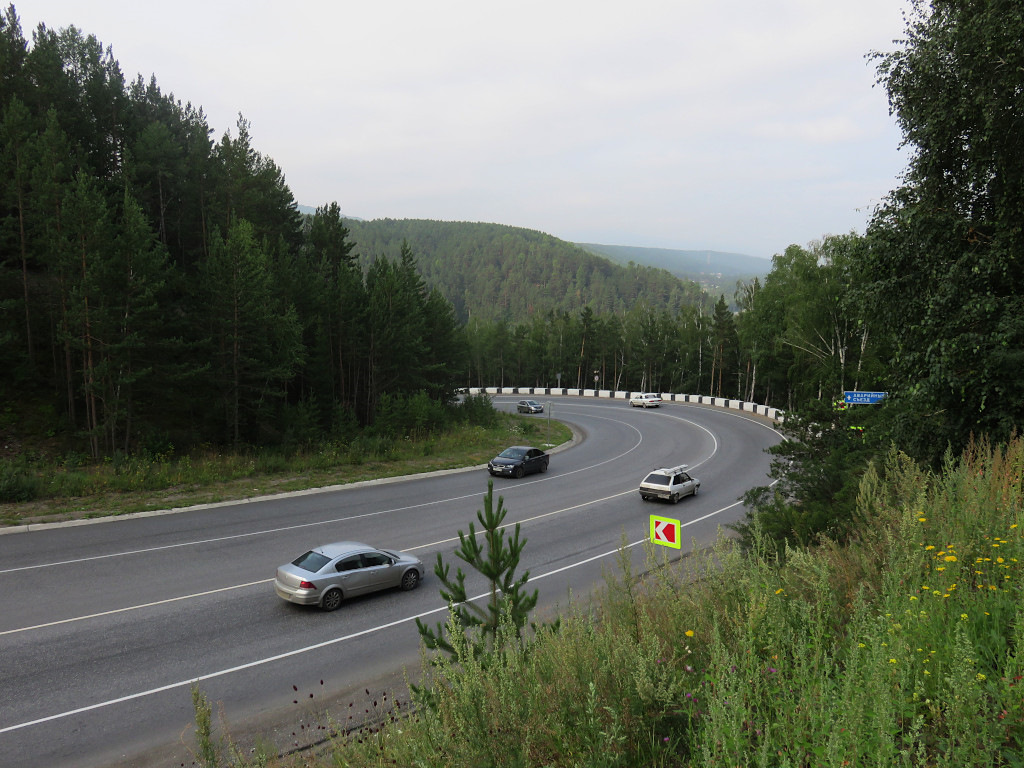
(665, 531)
(863, 398)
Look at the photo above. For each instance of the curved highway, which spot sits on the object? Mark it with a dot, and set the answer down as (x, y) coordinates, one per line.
(103, 627)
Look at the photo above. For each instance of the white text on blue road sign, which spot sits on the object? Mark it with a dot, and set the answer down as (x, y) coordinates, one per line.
(861, 398)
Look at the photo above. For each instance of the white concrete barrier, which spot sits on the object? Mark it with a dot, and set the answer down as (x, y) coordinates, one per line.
(775, 414)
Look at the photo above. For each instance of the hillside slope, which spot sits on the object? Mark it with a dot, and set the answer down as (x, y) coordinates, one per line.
(494, 271)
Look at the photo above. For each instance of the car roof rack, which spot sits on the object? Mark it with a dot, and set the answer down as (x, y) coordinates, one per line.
(673, 470)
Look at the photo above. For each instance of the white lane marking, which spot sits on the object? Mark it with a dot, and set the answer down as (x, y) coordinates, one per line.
(266, 581)
(407, 549)
(317, 646)
(298, 526)
(133, 607)
(438, 543)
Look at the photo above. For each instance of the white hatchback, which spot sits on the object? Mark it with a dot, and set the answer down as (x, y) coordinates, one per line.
(669, 483)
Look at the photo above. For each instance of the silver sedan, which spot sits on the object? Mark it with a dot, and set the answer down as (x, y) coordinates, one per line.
(327, 575)
(529, 406)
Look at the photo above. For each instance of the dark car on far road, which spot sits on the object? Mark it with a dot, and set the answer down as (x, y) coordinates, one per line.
(517, 461)
(529, 406)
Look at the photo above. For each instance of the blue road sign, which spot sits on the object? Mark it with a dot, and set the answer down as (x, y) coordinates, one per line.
(864, 398)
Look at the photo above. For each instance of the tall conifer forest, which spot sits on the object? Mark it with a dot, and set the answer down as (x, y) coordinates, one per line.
(160, 287)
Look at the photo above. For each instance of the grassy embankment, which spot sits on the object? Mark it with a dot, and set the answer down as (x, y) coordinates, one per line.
(904, 648)
(67, 487)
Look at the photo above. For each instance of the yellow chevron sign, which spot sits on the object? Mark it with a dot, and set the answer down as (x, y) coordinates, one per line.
(665, 531)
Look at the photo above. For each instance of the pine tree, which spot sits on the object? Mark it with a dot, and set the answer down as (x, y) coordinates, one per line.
(496, 558)
(16, 130)
(257, 343)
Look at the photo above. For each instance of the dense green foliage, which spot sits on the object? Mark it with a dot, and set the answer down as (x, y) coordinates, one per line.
(159, 289)
(496, 272)
(541, 312)
(817, 471)
(929, 304)
(904, 648)
(944, 274)
(799, 337)
(411, 436)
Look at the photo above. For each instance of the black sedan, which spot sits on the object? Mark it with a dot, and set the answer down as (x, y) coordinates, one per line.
(517, 461)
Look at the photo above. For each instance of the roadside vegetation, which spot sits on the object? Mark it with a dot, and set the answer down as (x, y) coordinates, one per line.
(43, 486)
(903, 647)
(868, 613)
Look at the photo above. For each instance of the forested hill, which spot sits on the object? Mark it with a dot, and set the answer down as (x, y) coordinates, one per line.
(716, 271)
(494, 271)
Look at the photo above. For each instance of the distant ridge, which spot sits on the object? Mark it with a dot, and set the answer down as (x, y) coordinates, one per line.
(309, 210)
(716, 271)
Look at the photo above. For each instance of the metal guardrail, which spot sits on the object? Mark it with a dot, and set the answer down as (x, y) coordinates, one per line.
(775, 414)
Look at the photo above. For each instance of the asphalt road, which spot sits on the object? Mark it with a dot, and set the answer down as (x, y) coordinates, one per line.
(104, 627)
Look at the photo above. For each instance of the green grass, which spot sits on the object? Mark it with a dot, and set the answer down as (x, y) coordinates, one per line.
(71, 488)
(905, 648)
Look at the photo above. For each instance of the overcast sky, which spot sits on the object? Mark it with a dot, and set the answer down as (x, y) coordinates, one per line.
(730, 125)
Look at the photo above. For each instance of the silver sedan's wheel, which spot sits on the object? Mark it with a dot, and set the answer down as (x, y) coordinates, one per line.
(332, 600)
(410, 579)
